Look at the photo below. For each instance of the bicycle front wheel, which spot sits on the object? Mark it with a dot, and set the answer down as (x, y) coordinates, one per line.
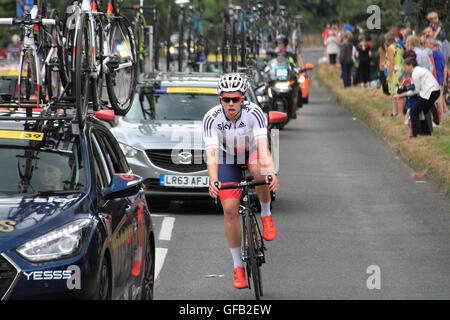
(27, 85)
(252, 257)
(121, 78)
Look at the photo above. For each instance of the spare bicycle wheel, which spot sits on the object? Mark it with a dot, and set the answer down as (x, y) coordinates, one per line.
(82, 70)
(122, 77)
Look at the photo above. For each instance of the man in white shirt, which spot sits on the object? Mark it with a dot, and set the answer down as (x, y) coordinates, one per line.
(426, 87)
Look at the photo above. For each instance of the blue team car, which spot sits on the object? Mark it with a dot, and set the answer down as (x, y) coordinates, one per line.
(74, 221)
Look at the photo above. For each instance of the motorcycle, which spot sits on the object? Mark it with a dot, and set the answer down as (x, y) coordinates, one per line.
(281, 92)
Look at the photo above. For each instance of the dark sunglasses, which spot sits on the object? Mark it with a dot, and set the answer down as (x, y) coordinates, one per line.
(234, 99)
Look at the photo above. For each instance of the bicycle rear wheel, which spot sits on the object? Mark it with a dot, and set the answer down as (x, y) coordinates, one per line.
(121, 79)
(81, 74)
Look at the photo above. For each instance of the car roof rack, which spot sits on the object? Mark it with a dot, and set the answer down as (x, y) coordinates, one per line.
(175, 76)
(51, 118)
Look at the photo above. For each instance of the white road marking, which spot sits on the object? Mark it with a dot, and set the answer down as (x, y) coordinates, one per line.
(166, 228)
(158, 215)
(165, 233)
(160, 257)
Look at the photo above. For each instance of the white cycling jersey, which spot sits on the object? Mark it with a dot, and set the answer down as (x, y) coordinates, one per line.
(234, 138)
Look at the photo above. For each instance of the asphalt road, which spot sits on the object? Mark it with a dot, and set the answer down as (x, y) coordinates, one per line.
(352, 222)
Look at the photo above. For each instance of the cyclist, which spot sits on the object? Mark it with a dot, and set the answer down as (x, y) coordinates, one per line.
(235, 133)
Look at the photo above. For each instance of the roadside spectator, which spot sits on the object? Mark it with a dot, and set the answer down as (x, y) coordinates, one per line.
(381, 66)
(325, 35)
(428, 90)
(394, 66)
(14, 47)
(363, 55)
(436, 26)
(411, 101)
(405, 33)
(398, 37)
(439, 64)
(332, 47)
(423, 60)
(427, 31)
(346, 59)
(4, 51)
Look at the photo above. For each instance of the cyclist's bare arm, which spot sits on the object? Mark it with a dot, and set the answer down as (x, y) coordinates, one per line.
(213, 169)
(266, 162)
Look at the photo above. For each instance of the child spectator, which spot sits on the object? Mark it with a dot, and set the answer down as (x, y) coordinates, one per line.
(411, 101)
(436, 25)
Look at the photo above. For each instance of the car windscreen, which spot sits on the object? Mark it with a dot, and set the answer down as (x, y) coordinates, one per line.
(50, 166)
(171, 106)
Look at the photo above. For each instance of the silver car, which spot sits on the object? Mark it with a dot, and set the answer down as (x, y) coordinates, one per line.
(161, 135)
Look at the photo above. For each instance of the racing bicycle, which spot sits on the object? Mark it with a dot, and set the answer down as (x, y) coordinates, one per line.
(38, 56)
(252, 245)
(143, 47)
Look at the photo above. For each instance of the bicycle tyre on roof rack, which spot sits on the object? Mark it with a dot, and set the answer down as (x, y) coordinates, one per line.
(81, 73)
(66, 55)
(121, 82)
(52, 76)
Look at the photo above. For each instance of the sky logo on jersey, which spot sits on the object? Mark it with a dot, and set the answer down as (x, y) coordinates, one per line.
(224, 126)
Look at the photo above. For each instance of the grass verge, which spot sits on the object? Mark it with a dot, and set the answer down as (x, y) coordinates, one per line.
(429, 156)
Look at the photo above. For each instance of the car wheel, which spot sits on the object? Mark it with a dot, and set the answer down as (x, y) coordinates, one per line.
(149, 273)
(104, 292)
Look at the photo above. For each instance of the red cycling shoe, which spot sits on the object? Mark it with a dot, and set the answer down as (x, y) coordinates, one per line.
(269, 230)
(239, 280)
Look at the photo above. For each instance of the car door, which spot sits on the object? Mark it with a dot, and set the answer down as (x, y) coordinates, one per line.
(128, 225)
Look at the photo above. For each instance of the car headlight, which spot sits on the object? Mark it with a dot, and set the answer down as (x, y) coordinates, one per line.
(63, 242)
(301, 79)
(172, 50)
(128, 151)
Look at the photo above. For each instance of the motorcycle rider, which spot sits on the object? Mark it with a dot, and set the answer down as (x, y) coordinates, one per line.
(282, 42)
(271, 72)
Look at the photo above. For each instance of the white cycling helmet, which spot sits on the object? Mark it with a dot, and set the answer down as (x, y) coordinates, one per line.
(231, 82)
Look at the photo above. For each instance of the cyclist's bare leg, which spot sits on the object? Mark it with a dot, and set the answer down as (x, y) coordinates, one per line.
(263, 192)
(231, 222)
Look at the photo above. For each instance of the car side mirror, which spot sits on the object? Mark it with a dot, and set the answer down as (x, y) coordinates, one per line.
(277, 117)
(309, 66)
(122, 185)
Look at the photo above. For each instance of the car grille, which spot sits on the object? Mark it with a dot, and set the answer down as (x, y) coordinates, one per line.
(7, 275)
(163, 159)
